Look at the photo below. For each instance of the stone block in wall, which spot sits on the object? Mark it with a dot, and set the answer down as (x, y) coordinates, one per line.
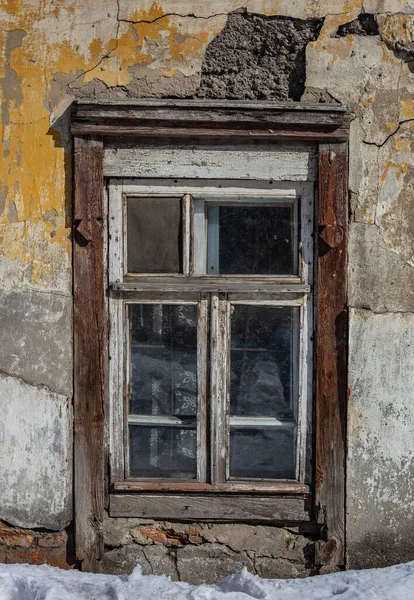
(380, 484)
(262, 540)
(36, 456)
(209, 563)
(153, 560)
(36, 338)
(279, 568)
(379, 279)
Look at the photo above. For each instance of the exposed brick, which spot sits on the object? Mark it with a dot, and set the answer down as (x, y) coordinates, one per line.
(56, 557)
(155, 535)
(52, 540)
(16, 537)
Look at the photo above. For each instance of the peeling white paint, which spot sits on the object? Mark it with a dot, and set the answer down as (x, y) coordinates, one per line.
(36, 456)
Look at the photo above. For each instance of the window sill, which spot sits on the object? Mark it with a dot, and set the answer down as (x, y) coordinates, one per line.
(212, 507)
(206, 283)
(233, 487)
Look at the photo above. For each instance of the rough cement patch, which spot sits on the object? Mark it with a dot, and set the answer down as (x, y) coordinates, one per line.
(380, 280)
(36, 456)
(257, 57)
(380, 490)
(365, 24)
(36, 338)
(204, 552)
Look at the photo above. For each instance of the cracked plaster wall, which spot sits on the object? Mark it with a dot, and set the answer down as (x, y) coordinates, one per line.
(56, 51)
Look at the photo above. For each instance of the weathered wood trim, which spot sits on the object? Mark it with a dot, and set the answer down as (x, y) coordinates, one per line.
(331, 353)
(206, 119)
(90, 347)
(231, 487)
(273, 133)
(211, 508)
(261, 162)
(206, 283)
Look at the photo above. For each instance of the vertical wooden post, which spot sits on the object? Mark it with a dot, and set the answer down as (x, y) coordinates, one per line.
(331, 354)
(89, 349)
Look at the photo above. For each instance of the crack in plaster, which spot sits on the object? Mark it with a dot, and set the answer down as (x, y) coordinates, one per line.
(39, 386)
(172, 14)
(108, 54)
(143, 21)
(388, 136)
(385, 311)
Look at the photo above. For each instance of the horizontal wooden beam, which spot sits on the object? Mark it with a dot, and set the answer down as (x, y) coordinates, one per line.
(203, 120)
(209, 284)
(207, 104)
(233, 487)
(228, 134)
(186, 507)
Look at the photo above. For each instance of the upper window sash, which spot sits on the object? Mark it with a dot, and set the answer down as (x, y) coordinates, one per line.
(199, 232)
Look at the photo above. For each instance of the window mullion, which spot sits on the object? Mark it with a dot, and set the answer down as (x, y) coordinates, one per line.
(202, 337)
(187, 203)
(219, 387)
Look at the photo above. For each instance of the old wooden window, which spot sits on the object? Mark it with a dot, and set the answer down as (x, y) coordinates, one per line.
(210, 333)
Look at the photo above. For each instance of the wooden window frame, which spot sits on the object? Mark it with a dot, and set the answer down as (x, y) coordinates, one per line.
(94, 125)
(213, 307)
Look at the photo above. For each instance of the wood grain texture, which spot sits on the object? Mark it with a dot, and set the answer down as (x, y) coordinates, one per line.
(331, 353)
(274, 132)
(213, 284)
(210, 508)
(230, 487)
(205, 119)
(89, 350)
(289, 162)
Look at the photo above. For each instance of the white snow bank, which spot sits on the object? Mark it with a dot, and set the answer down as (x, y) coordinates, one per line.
(27, 582)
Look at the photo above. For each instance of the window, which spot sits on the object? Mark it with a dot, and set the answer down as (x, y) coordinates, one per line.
(223, 291)
(210, 334)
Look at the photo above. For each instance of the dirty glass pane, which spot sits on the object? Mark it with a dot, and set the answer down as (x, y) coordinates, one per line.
(162, 452)
(163, 359)
(244, 240)
(268, 453)
(154, 235)
(263, 352)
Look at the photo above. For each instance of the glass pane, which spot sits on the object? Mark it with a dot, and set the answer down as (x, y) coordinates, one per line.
(154, 235)
(163, 359)
(268, 454)
(245, 240)
(262, 360)
(162, 452)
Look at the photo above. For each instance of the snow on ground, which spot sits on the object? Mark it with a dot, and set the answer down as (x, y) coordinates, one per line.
(28, 582)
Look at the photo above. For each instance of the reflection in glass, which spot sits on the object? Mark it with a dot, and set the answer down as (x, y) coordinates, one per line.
(154, 235)
(163, 359)
(163, 347)
(262, 360)
(162, 452)
(268, 454)
(252, 240)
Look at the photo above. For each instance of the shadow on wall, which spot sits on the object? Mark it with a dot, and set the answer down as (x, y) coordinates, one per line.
(60, 131)
(375, 551)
